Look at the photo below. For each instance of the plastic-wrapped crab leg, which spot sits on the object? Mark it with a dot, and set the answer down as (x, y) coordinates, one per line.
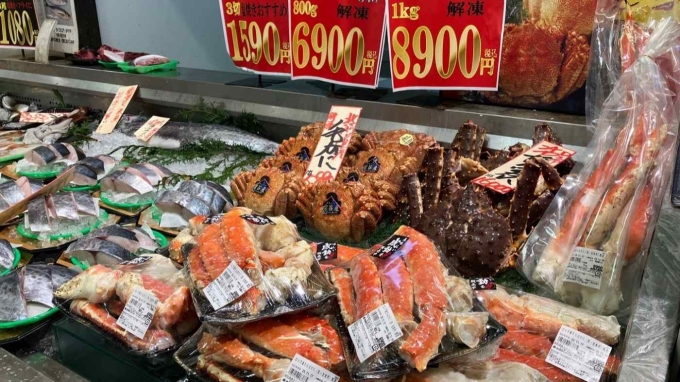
(342, 280)
(97, 284)
(283, 340)
(214, 370)
(345, 254)
(549, 371)
(460, 294)
(423, 343)
(397, 288)
(239, 245)
(637, 225)
(197, 269)
(154, 340)
(526, 343)
(434, 160)
(366, 281)
(320, 332)
(212, 252)
(231, 351)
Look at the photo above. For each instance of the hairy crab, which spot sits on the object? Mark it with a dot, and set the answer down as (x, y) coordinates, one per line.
(402, 143)
(268, 190)
(303, 145)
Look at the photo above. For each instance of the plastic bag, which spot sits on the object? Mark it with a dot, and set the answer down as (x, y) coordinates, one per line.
(477, 372)
(533, 322)
(262, 350)
(402, 273)
(99, 296)
(244, 267)
(590, 247)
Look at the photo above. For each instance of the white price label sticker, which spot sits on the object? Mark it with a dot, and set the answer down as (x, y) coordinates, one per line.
(229, 286)
(578, 354)
(303, 370)
(374, 331)
(138, 312)
(585, 267)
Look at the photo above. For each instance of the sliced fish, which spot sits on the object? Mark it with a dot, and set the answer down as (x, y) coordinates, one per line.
(3, 204)
(40, 156)
(146, 241)
(125, 182)
(6, 254)
(181, 204)
(98, 251)
(37, 216)
(12, 303)
(160, 170)
(11, 192)
(38, 284)
(204, 193)
(219, 190)
(146, 172)
(109, 162)
(86, 204)
(61, 275)
(60, 149)
(119, 235)
(95, 164)
(63, 205)
(35, 185)
(84, 176)
(29, 186)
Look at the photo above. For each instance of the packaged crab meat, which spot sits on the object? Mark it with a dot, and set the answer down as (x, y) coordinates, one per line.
(263, 350)
(533, 323)
(245, 266)
(591, 246)
(427, 315)
(144, 304)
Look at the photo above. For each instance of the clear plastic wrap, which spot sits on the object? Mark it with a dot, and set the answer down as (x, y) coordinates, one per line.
(112, 244)
(533, 322)
(250, 267)
(590, 247)
(99, 296)
(405, 273)
(262, 350)
(477, 372)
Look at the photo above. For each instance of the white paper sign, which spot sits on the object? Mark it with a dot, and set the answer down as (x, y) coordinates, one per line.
(229, 286)
(138, 312)
(585, 267)
(374, 331)
(303, 370)
(578, 354)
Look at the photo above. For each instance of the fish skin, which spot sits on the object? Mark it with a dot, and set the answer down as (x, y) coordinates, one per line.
(38, 216)
(119, 235)
(160, 170)
(38, 284)
(85, 203)
(98, 245)
(11, 192)
(40, 156)
(6, 254)
(95, 164)
(57, 13)
(35, 185)
(109, 162)
(12, 302)
(144, 239)
(219, 190)
(3, 204)
(65, 206)
(205, 193)
(126, 182)
(84, 176)
(60, 275)
(191, 206)
(148, 172)
(61, 149)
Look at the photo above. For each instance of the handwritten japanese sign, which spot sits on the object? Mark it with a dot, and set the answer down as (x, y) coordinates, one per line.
(337, 41)
(40, 117)
(340, 125)
(504, 178)
(18, 22)
(256, 33)
(116, 109)
(445, 44)
(150, 128)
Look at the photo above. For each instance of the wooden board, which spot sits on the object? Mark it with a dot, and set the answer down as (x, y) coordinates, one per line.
(146, 218)
(10, 171)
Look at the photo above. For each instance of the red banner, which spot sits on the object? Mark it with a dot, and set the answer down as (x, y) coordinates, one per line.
(337, 41)
(256, 33)
(444, 44)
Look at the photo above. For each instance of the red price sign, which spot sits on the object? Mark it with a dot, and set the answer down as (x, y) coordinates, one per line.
(256, 33)
(445, 44)
(337, 41)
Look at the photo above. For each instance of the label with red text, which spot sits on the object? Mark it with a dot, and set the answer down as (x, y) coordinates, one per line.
(116, 109)
(330, 151)
(40, 117)
(150, 128)
(504, 178)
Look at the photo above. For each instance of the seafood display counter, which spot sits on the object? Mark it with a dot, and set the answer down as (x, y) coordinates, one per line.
(288, 282)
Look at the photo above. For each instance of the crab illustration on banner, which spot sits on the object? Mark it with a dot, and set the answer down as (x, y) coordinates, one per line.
(504, 178)
(444, 44)
(256, 34)
(337, 41)
(335, 139)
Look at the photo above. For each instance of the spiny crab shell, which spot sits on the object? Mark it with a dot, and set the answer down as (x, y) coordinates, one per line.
(340, 210)
(381, 164)
(268, 191)
(286, 164)
(403, 143)
(576, 15)
(303, 145)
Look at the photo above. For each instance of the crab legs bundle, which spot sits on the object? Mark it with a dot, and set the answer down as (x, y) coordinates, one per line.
(598, 228)
(435, 311)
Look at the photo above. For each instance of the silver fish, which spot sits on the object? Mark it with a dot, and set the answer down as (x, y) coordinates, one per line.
(109, 162)
(61, 149)
(181, 204)
(95, 164)
(57, 13)
(38, 284)
(63, 205)
(60, 275)
(6, 254)
(220, 191)
(83, 176)
(12, 302)
(125, 182)
(144, 171)
(37, 216)
(86, 204)
(98, 251)
(119, 235)
(40, 156)
(11, 192)
(204, 193)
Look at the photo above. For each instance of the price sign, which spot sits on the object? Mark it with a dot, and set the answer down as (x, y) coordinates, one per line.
(116, 109)
(337, 41)
(18, 22)
(256, 33)
(445, 44)
(150, 128)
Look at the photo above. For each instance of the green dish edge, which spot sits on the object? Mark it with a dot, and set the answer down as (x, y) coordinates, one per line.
(10, 158)
(81, 188)
(17, 259)
(41, 174)
(130, 206)
(28, 321)
(171, 65)
(103, 215)
(110, 65)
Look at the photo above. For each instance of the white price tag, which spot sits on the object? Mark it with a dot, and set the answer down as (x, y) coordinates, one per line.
(585, 267)
(229, 286)
(374, 331)
(303, 370)
(579, 354)
(138, 312)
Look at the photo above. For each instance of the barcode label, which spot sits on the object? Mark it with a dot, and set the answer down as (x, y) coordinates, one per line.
(585, 267)
(229, 286)
(138, 312)
(374, 331)
(303, 370)
(579, 354)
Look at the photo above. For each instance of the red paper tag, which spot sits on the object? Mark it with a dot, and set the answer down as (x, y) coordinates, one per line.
(504, 178)
(40, 117)
(256, 33)
(340, 125)
(443, 44)
(337, 41)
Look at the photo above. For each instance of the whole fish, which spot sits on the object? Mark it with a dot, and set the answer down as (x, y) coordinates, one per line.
(38, 284)
(12, 302)
(57, 13)
(6, 254)
(98, 251)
